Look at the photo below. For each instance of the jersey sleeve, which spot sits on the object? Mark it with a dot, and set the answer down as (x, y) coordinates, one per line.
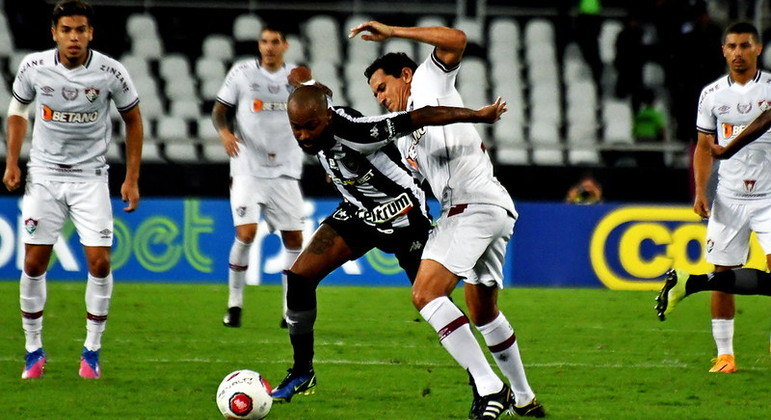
(228, 93)
(123, 92)
(23, 88)
(433, 78)
(705, 118)
(368, 134)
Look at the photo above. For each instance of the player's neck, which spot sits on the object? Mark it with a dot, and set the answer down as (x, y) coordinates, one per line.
(744, 77)
(272, 67)
(72, 63)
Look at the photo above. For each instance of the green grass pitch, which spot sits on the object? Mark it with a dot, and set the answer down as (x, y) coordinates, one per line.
(589, 354)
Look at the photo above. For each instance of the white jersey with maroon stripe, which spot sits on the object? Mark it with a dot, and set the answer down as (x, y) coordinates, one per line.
(72, 127)
(452, 158)
(259, 96)
(725, 109)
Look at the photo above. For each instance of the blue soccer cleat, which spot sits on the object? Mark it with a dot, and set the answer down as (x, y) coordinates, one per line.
(34, 364)
(294, 384)
(89, 364)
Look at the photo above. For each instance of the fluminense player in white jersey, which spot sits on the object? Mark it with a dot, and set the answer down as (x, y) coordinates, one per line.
(742, 202)
(70, 89)
(469, 240)
(265, 162)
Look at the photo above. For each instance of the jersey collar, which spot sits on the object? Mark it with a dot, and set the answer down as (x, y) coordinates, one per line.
(755, 79)
(85, 63)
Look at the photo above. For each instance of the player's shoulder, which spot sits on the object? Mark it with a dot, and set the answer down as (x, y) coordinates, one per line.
(98, 60)
(711, 88)
(244, 64)
(764, 77)
(38, 59)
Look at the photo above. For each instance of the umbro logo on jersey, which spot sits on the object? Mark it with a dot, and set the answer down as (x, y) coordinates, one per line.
(723, 109)
(69, 94)
(30, 225)
(69, 117)
(47, 91)
(241, 211)
(92, 94)
(106, 233)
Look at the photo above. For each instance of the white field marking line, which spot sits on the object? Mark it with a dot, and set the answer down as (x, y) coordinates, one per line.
(672, 364)
(225, 341)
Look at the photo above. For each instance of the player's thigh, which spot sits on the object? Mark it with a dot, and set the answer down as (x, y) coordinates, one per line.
(760, 223)
(91, 212)
(459, 242)
(728, 233)
(246, 193)
(43, 212)
(284, 208)
(326, 251)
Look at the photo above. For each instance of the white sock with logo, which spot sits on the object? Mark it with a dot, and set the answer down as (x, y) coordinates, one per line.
(723, 333)
(238, 262)
(32, 300)
(98, 295)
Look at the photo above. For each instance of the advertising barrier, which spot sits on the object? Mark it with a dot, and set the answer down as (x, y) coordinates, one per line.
(623, 247)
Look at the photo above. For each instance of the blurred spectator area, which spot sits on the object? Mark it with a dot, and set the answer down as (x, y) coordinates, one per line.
(178, 53)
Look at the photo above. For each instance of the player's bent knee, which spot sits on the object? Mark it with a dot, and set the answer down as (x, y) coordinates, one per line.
(421, 297)
(300, 292)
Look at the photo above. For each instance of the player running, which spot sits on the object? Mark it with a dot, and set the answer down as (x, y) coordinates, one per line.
(742, 201)
(469, 240)
(383, 206)
(265, 165)
(71, 87)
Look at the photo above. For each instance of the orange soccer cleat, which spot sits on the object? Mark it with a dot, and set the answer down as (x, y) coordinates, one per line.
(724, 363)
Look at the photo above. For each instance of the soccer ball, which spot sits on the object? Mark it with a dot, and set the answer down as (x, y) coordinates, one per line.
(244, 394)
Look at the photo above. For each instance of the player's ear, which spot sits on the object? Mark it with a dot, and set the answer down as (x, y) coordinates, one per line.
(53, 33)
(406, 75)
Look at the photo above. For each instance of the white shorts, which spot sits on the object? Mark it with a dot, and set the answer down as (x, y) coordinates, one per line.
(472, 244)
(729, 228)
(278, 200)
(47, 204)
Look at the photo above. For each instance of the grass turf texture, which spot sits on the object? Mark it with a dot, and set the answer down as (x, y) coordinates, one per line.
(588, 353)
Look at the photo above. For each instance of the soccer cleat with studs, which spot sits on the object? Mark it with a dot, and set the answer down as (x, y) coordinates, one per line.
(294, 384)
(490, 407)
(672, 293)
(34, 364)
(725, 363)
(531, 409)
(232, 317)
(89, 364)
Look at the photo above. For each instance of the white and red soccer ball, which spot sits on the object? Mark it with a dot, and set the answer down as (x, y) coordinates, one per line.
(244, 394)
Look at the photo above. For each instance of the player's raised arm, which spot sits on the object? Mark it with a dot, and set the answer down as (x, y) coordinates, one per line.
(443, 115)
(16, 130)
(129, 191)
(757, 128)
(450, 43)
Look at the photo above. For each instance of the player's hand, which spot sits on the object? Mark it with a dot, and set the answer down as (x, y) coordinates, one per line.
(492, 113)
(377, 31)
(12, 177)
(230, 143)
(299, 75)
(701, 206)
(718, 152)
(129, 193)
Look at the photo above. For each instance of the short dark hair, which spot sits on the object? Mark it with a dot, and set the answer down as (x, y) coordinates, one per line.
(742, 28)
(391, 63)
(72, 8)
(273, 27)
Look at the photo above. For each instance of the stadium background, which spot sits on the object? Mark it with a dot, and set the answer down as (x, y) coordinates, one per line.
(564, 122)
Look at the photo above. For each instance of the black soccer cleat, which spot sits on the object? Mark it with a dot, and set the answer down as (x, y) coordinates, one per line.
(283, 325)
(232, 317)
(294, 383)
(490, 407)
(531, 409)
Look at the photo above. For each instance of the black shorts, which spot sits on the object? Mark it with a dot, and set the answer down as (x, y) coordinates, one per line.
(405, 243)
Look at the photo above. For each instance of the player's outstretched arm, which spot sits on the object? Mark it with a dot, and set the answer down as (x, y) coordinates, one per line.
(222, 117)
(443, 115)
(757, 127)
(702, 168)
(129, 191)
(450, 43)
(16, 130)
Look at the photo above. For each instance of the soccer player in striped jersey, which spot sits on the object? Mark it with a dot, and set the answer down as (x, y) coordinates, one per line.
(265, 166)
(71, 88)
(383, 206)
(735, 103)
(469, 240)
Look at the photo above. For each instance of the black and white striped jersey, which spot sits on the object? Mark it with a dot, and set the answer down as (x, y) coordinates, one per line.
(368, 170)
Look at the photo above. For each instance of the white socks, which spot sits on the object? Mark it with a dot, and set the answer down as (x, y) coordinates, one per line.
(238, 262)
(723, 332)
(32, 300)
(501, 340)
(456, 337)
(290, 255)
(98, 294)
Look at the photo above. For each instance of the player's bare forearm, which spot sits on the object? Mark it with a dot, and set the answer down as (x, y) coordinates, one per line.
(702, 162)
(15, 132)
(134, 140)
(222, 117)
(757, 127)
(443, 115)
(450, 43)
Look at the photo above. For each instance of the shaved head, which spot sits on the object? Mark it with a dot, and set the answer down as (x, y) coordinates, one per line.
(309, 117)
